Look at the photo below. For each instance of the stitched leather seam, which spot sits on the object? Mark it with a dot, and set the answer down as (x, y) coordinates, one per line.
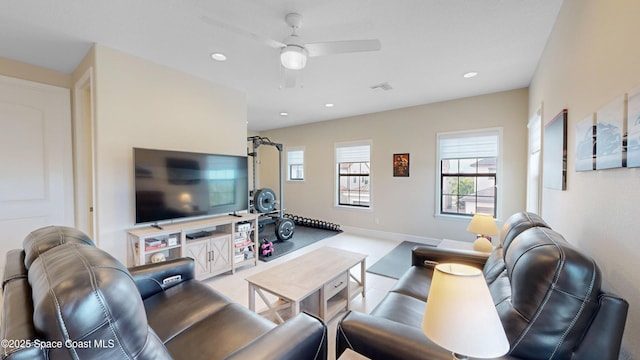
(547, 295)
(320, 345)
(346, 338)
(54, 298)
(101, 299)
(579, 312)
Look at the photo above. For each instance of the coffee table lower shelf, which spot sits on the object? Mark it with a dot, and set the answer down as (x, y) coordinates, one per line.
(322, 298)
(282, 309)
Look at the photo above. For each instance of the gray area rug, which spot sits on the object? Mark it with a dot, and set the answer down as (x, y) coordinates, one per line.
(396, 262)
(302, 236)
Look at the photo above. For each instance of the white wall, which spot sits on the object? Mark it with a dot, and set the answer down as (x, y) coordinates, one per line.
(591, 58)
(401, 206)
(142, 104)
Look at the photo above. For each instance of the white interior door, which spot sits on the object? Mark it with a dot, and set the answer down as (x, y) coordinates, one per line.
(36, 174)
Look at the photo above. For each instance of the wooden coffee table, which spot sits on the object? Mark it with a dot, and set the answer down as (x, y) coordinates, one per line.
(319, 282)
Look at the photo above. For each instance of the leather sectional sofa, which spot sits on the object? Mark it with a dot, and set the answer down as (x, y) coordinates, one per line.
(548, 296)
(63, 298)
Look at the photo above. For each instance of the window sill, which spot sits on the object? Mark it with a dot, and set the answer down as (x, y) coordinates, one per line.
(355, 208)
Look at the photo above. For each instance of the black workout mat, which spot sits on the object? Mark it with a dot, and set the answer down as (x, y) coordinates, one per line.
(396, 262)
(302, 236)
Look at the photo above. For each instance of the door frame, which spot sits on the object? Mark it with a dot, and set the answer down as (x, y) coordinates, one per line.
(84, 157)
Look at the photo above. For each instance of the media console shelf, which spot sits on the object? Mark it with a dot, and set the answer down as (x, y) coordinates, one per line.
(217, 245)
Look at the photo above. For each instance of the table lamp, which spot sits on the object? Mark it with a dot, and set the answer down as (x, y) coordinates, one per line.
(460, 315)
(484, 227)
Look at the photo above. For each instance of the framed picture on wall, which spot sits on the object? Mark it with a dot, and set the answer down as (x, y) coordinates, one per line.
(586, 144)
(633, 128)
(401, 165)
(609, 131)
(554, 153)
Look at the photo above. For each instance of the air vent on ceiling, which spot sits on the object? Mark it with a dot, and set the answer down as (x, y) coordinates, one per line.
(384, 86)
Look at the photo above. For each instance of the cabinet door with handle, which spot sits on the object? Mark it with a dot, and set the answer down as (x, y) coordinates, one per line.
(200, 252)
(221, 253)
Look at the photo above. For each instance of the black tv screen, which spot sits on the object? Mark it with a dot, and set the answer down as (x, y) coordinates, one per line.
(175, 184)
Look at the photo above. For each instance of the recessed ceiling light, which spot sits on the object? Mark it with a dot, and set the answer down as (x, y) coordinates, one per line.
(470, 74)
(218, 56)
(284, 113)
(329, 105)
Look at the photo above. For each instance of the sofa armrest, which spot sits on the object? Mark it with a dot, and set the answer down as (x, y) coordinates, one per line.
(154, 278)
(430, 256)
(302, 337)
(380, 338)
(14, 267)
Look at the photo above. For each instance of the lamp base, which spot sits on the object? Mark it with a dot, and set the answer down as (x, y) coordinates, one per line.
(482, 244)
(459, 357)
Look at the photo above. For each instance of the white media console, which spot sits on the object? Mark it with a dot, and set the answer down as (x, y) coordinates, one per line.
(218, 244)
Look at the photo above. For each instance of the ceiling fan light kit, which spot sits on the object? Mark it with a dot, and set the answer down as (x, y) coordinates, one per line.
(293, 57)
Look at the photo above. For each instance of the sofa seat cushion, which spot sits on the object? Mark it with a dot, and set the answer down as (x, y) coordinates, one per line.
(172, 311)
(219, 334)
(416, 283)
(402, 309)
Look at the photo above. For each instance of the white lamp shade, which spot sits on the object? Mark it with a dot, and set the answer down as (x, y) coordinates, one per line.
(293, 57)
(460, 315)
(483, 224)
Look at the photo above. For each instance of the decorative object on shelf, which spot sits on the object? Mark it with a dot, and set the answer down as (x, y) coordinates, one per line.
(484, 227)
(554, 163)
(158, 257)
(460, 315)
(401, 165)
(609, 132)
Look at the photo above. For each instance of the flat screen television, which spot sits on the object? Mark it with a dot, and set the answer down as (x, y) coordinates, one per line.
(175, 184)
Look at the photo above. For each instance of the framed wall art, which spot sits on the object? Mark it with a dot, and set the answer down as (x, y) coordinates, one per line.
(633, 128)
(609, 132)
(554, 153)
(401, 165)
(586, 144)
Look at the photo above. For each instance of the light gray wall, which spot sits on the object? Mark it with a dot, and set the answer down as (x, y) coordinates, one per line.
(142, 104)
(401, 206)
(591, 58)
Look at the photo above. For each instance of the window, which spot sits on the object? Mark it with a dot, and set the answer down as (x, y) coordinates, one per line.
(468, 172)
(354, 173)
(295, 164)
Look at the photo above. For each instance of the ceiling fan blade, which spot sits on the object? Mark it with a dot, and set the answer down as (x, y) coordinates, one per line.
(242, 32)
(341, 47)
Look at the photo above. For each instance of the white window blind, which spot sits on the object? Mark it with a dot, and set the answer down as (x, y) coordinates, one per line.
(357, 153)
(476, 145)
(295, 164)
(295, 157)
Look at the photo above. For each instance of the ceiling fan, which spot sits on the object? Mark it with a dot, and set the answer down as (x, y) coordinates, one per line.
(293, 51)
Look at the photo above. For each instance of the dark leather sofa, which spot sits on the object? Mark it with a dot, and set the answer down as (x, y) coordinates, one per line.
(63, 298)
(547, 294)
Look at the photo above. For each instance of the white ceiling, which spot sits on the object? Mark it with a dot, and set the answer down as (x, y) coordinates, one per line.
(427, 45)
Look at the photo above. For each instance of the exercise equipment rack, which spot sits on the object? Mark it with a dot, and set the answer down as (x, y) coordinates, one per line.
(264, 199)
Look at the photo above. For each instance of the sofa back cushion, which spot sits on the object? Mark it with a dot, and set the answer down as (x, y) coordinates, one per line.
(516, 224)
(512, 227)
(547, 296)
(85, 300)
(46, 238)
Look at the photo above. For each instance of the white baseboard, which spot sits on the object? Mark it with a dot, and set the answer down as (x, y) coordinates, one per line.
(390, 235)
